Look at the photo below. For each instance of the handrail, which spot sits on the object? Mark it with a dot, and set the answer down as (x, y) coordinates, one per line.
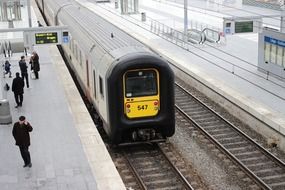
(9, 49)
(1, 48)
(160, 28)
(213, 31)
(25, 51)
(4, 45)
(179, 40)
(190, 38)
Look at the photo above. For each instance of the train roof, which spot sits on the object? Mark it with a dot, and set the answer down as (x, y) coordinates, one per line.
(103, 32)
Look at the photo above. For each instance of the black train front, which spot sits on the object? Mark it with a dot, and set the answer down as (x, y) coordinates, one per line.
(130, 86)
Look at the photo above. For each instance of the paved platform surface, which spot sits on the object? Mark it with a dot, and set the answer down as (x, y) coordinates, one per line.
(260, 97)
(67, 152)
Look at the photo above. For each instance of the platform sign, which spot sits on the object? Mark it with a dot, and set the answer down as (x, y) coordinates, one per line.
(243, 26)
(274, 41)
(46, 36)
(247, 24)
(227, 30)
(65, 37)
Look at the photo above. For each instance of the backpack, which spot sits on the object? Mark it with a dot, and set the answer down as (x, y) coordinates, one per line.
(7, 66)
(7, 87)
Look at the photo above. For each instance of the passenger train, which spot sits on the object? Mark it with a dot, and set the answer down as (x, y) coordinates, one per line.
(130, 86)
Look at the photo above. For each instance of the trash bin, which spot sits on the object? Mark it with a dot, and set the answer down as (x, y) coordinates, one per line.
(143, 16)
(5, 115)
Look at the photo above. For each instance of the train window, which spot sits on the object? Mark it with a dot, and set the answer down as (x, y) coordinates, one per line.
(73, 47)
(140, 83)
(80, 58)
(284, 57)
(76, 52)
(94, 78)
(87, 72)
(279, 55)
(69, 45)
(266, 52)
(273, 53)
(101, 86)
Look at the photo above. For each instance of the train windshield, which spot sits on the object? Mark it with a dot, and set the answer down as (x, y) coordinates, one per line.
(141, 83)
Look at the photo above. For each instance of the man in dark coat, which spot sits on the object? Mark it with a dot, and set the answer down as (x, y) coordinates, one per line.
(21, 135)
(35, 65)
(24, 70)
(18, 89)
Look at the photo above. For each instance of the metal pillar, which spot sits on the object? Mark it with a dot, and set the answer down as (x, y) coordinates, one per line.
(29, 12)
(10, 10)
(129, 6)
(4, 11)
(282, 24)
(282, 20)
(17, 10)
(185, 19)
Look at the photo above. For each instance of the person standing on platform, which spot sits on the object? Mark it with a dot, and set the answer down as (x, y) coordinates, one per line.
(24, 70)
(20, 132)
(35, 65)
(39, 24)
(18, 89)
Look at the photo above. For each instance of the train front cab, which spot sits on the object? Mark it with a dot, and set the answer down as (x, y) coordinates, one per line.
(141, 99)
(141, 93)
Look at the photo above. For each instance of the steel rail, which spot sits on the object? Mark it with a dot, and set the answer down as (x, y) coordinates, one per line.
(184, 180)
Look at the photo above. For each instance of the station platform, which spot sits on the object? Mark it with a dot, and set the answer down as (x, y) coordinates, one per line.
(263, 99)
(66, 149)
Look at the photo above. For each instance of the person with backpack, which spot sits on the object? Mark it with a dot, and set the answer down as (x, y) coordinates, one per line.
(7, 68)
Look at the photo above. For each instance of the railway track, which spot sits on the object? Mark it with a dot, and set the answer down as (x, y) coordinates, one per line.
(261, 166)
(154, 167)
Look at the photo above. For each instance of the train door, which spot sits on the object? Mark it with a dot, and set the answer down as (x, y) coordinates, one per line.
(89, 90)
(87, 74)
(92, 79)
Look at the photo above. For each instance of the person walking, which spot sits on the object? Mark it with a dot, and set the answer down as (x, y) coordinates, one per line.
(18, 89)
(20, 132)
(35, 65)
(24, 70)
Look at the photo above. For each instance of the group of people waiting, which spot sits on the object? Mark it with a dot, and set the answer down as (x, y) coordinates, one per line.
(18, 82)
(22, 128)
